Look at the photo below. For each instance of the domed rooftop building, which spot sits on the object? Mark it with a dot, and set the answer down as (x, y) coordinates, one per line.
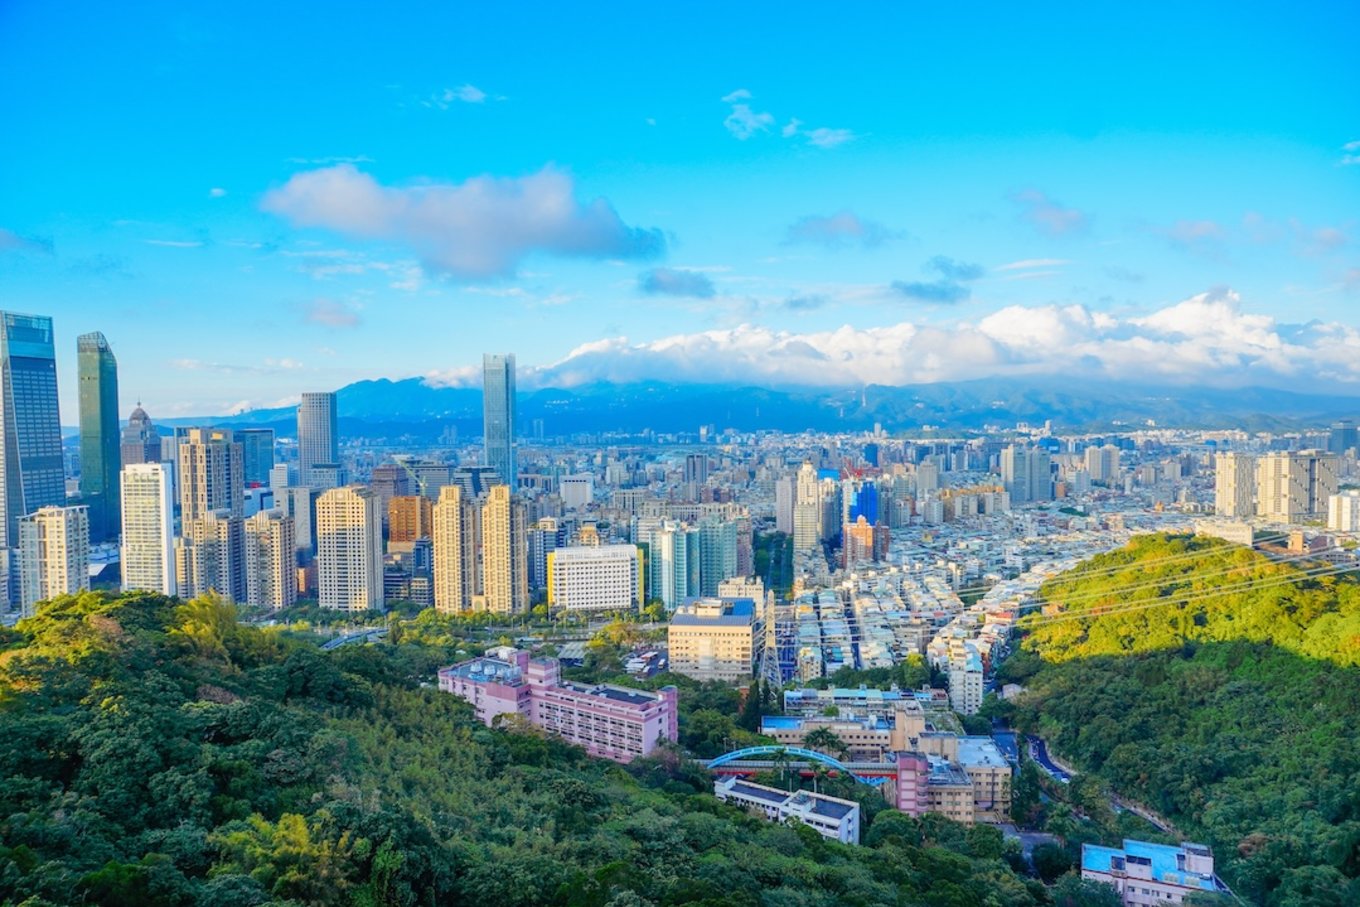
(141, 442)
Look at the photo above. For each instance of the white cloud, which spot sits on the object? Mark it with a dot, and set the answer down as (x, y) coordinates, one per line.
(1352, 155)
(479, 228)
(791, 129)
(1207, 339)
(217, 192)
(175, 243)
(742, 121)
(463, 94)
(1033, 263)
(829, 138)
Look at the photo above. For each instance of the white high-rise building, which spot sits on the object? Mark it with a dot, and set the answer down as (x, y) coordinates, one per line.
(455, 538)
(209, 557)
(807, 509)
(54, 554)
(595, 578)
(505, 552)
(349, 557)
(1294, 487)
(147, 556)
(676, 559)
(1235, 485)
(1343, 511)
(270, 560)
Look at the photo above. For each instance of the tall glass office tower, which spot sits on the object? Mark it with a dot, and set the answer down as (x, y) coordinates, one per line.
(100, 453)
(498, 416)
(31, 474)
(318, 440)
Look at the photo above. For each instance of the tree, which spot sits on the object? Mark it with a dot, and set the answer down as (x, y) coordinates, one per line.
(1073, 891)
(1050, 860)
(750, 708)
(824, 740)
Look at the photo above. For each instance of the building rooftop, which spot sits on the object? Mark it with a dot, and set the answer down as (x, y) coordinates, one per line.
(612, 693)
(487, 669)
(980, 751)
(1166, 862)
(708, 612)
(759, 792)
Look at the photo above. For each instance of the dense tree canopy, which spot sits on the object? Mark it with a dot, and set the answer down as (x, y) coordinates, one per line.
(158, 752)
(1229, 708)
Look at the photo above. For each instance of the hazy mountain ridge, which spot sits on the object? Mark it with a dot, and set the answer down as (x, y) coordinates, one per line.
(412, 407)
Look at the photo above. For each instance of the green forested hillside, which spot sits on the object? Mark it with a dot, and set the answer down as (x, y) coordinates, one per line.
(1232, 713)
(153, 752)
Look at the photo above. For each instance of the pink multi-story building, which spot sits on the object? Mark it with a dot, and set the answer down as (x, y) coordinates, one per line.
(612, 722)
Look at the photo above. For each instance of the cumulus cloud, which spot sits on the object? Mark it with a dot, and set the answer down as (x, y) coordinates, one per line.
(479, 228)
(836, 230)
(13, 242)
(742, 121)
(331, 314)
(1206, 339)
(676, 282)
(1048, 215)
(1352, 153)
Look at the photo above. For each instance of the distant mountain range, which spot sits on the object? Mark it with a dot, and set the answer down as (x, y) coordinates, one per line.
(412, 410)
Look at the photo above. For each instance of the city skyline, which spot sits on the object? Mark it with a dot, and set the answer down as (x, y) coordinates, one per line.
(877, 215)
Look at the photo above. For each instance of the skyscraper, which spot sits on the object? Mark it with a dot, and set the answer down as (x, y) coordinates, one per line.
(257, 454)
(807, 509)
(349, 560)
(505, 553)
(1027, 474)
(148, 555)
(100, 455)
(211, 474)
(141, 442)
(498, 416)
(318, 438)
(54, 554)
(717, 553)
(32, 474)
(1343, 437)
(455, 551)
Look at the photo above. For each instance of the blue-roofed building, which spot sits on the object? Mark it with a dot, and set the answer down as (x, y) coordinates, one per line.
(1145, 874)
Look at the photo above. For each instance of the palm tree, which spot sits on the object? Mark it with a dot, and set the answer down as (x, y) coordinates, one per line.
(825, 740)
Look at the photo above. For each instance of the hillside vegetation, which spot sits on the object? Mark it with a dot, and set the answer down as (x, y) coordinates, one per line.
(157, 752)
(1230, 708)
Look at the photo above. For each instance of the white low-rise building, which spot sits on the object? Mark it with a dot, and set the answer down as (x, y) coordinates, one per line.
(830, 817)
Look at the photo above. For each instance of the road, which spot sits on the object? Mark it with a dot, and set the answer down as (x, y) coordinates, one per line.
(1038, 751)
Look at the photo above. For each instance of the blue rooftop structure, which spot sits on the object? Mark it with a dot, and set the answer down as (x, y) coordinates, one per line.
(1166, 863)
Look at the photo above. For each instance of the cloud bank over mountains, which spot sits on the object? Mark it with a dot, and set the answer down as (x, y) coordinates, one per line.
(1207, 339)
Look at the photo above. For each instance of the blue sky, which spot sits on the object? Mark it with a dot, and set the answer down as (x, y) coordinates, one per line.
(260, 199)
